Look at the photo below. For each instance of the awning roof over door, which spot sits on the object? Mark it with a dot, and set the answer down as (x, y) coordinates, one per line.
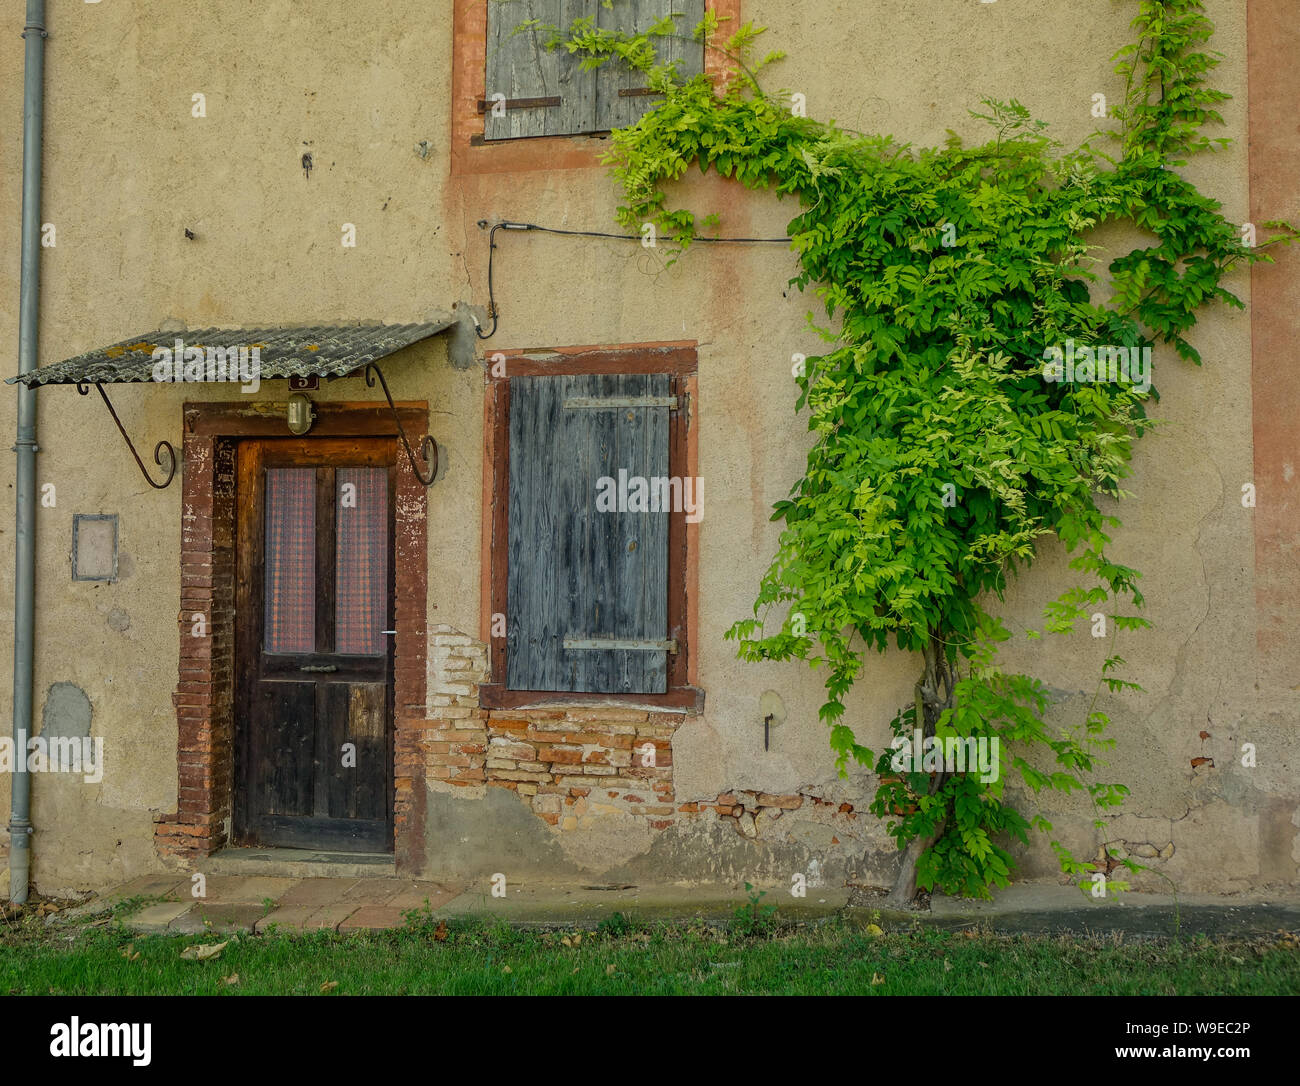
(321, 351)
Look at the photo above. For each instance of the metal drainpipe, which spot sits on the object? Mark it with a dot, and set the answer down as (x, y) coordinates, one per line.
(20, 806)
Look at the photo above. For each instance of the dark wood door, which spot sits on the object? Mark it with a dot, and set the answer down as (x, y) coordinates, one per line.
(313, 644)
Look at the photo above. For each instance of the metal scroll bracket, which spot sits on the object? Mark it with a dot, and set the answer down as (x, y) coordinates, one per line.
(428, 448)
(157, 449)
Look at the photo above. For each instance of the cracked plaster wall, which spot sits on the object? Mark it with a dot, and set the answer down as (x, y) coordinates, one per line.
(267, 248)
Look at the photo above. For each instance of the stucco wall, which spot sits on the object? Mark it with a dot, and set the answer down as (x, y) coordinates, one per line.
(358, 83)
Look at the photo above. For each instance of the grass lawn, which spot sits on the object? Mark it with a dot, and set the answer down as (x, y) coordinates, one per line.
(468, 958)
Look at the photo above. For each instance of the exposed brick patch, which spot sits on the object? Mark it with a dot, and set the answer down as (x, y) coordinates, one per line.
(574, 766)
(551, 758)
(454, 744)
(752, 812)
(627, 753)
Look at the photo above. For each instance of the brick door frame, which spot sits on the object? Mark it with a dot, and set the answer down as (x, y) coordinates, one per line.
(204, 697)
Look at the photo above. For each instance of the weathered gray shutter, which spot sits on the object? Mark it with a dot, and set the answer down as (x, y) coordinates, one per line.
(596, 580)
(546, 92)
(620, 100)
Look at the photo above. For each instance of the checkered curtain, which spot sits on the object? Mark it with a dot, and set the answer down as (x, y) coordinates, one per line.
(290, 560)
(361, 581)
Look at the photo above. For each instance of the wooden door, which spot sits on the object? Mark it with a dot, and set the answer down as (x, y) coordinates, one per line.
(314, 645)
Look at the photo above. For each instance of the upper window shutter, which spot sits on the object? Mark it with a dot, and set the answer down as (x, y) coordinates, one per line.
(588, 589)
(520, 67)
(620, 97)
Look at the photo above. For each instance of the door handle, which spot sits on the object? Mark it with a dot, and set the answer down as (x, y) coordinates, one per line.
(323, 669)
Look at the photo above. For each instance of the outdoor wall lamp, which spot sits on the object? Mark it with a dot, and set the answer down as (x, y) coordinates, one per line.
(300, 413)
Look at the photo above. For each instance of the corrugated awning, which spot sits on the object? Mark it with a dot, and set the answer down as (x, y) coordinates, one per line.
(241, 354)
(321, 351)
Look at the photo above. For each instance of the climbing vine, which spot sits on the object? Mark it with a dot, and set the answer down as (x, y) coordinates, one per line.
(981, 390)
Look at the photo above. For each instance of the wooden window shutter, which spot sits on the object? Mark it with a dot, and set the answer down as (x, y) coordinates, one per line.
(621, 98)
(546, 93)
(587, 603)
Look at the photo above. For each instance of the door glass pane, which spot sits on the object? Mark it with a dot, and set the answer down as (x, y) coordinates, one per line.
(290, 559)
(361, 583)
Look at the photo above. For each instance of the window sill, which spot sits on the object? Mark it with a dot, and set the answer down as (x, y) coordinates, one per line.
(580, 140)
(685, 699)
(526, 154)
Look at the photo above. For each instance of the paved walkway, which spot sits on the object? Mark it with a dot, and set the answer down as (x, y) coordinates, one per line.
(260, 902)
(255, 903)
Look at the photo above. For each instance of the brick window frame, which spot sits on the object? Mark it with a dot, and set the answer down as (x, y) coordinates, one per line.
(472, 154)
(679, 360)
(205, 692)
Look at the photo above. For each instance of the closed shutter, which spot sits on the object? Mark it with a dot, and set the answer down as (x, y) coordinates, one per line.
(587, 604)
(547, 93)
(620, 91)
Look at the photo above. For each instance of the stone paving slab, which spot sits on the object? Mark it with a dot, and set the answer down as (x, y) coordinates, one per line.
(202, 917)
(244, 889)
(315, 893)
(419, 892)
(286, 918)
(158, 917)
(304, 918)
(153, 886)
(375, 891)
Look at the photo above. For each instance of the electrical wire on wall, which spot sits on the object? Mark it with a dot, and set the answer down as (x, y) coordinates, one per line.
(492, 229)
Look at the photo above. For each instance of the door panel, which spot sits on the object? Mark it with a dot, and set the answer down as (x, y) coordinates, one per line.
(314, 602)
(284, 747)
(357, 714)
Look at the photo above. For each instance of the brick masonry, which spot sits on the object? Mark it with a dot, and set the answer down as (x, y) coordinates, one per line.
(206, 628)
(411, 568)
(568, 764)
(573, 766)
